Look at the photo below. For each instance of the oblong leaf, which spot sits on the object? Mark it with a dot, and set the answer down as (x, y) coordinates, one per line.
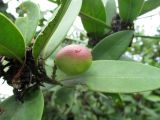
(11, 40)
(49, 39)
(130, 9)
(150, 5)
(93, 16)
(110, 11)
(31, 109)
(113, 46)
(29, 23)
(119, 77)
(22, 23)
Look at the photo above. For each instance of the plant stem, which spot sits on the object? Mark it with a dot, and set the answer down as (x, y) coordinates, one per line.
(52, 81)
(143, 36)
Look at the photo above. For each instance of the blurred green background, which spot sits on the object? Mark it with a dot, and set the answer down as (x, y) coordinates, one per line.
(80, 104)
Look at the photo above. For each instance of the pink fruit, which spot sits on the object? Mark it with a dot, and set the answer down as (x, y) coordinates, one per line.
(73, 59)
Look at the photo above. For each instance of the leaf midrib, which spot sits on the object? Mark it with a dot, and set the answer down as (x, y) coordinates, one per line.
(95, 19)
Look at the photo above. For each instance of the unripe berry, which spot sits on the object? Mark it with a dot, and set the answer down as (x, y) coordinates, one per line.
(73, 59)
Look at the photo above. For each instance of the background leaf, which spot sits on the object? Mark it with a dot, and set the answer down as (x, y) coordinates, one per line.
(28, 24)
(130, 9)
(118, 77)
(65, 96)
(32, 108)
(150, 5)
(9, 37)
(110, 7)
(113, 46)
(152, 98)
(57, 29)
(93, 17)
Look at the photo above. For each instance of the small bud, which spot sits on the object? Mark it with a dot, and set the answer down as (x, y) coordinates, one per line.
(73, 59)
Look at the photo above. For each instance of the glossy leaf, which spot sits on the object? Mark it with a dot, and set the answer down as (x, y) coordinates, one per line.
(9, 37)
(110, 11)
(119, 77)
(54, 33)
(93, 16)
(150, 5)
(31, 109)
(113, 46)
(130, 9)
(28, 24)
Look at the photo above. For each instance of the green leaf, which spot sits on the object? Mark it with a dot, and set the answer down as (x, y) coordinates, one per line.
(11, 40)
(150, 5)
(130, 9)
(65, 96)
(54, 33)
(21, 23)
(115, 97)
(28, 24)
(110, 11)
(93, 16)
(113, 46)
(118, 77)
(31, 109)
(152, 98)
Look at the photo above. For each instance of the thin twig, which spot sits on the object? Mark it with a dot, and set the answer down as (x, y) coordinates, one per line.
(52, 81)
(148, 16)
(143, 36)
